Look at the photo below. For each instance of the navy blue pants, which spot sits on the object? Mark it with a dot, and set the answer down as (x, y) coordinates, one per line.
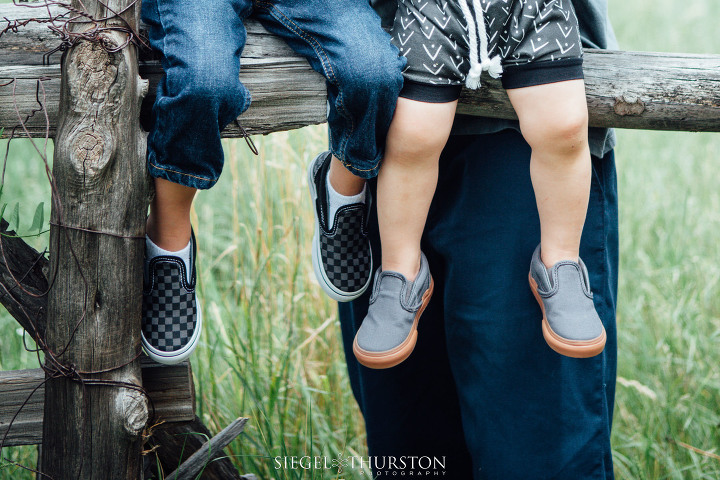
(482, 388)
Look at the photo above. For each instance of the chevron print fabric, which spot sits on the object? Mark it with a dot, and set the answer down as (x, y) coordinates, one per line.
(433, 36)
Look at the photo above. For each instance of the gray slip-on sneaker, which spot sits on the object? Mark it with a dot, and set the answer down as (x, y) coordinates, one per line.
(570, 324)
(341, 256)
(388, 334)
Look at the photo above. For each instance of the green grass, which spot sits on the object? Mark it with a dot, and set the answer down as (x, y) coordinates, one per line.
(669, 304)
(271, 349)
(669, 309)
(273, 341)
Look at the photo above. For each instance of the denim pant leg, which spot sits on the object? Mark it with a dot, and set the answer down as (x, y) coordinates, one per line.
(344, 41)
(200, 93)
(481, 372)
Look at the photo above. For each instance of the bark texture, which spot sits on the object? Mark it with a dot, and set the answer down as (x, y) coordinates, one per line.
(94, 431)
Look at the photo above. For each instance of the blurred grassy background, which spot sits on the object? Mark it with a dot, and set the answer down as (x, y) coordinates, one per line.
(271, 349)
(668, 397)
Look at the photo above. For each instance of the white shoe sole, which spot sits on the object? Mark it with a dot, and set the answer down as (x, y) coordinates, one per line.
(173, 358)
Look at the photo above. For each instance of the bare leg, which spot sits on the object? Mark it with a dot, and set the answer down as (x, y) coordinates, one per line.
(408, 178)
(342, 180)
(168, 224)
(554, 121)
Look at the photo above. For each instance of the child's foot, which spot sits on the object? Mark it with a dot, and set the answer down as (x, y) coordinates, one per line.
(172, 319)
(341, 255)
(388, 334)
(570, 324)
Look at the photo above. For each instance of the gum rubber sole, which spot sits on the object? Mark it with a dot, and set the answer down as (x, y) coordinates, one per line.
(397, 355)
(563, 346)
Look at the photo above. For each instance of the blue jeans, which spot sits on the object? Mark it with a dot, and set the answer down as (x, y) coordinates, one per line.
(482, 388)
(201, 42)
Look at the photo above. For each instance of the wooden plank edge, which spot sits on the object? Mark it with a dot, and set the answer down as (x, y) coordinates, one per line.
(170, 388)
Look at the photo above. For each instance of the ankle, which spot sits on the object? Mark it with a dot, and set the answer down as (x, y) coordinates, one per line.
(406, 267)
(170, 237)
(550, 257)
(342, 180)
(337, 200)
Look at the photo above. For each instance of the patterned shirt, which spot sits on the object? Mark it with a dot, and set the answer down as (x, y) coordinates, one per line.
(595, 31)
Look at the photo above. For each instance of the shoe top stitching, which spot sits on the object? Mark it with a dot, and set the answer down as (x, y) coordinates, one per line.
(345, 209)
(403, 289)
(190, 287)
(555, 282)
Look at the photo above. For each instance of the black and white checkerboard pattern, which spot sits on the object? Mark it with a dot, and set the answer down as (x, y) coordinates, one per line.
(169, 308)
(346, 251)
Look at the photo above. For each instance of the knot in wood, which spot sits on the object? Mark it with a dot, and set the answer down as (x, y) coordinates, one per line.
(133, 409)
(88, 147)
(628, 106)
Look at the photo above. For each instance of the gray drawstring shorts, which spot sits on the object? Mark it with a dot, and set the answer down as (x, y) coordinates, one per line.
(537, 40)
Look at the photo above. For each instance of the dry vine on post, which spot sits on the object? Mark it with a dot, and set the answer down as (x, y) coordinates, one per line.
(83, 306)
(95, 408)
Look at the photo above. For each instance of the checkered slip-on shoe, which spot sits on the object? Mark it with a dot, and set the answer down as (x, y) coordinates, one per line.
(341, 255)
(570, 324)
(172, 318)
(388, 333)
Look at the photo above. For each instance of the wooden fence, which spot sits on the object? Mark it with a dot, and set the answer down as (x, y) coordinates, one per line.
(100, 206)
(640, 90)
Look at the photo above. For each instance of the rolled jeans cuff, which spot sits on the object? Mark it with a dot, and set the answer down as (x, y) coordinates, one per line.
(172, 174)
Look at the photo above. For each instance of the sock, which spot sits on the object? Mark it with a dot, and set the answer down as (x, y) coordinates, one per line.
(337, 200)
(152, 251)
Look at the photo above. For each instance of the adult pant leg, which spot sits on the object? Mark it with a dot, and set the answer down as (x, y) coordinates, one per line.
(525, 411)
(411, 411)
(344, 41)
(200, 93)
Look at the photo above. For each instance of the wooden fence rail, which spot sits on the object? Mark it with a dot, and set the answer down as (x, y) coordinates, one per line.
(169, 388)
(644, 90)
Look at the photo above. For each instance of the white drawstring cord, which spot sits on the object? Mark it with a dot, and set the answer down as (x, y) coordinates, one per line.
(492, 65)
(473, 77)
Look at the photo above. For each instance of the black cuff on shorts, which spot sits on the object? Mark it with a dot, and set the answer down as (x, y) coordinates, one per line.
(424, 92)
(541, 73)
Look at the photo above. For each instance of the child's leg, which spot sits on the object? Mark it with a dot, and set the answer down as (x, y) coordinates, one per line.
(553, 120)
(407, 180)
(342, 180)
(168, 224)
(344, 41)
(197, 97)
(405, 189)
(408, 176)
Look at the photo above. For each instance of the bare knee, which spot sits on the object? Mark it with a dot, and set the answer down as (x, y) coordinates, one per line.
(412, 143)
(419, 130)
(562, 136)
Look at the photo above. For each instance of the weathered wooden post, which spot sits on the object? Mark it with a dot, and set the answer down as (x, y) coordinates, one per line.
(94, 309)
